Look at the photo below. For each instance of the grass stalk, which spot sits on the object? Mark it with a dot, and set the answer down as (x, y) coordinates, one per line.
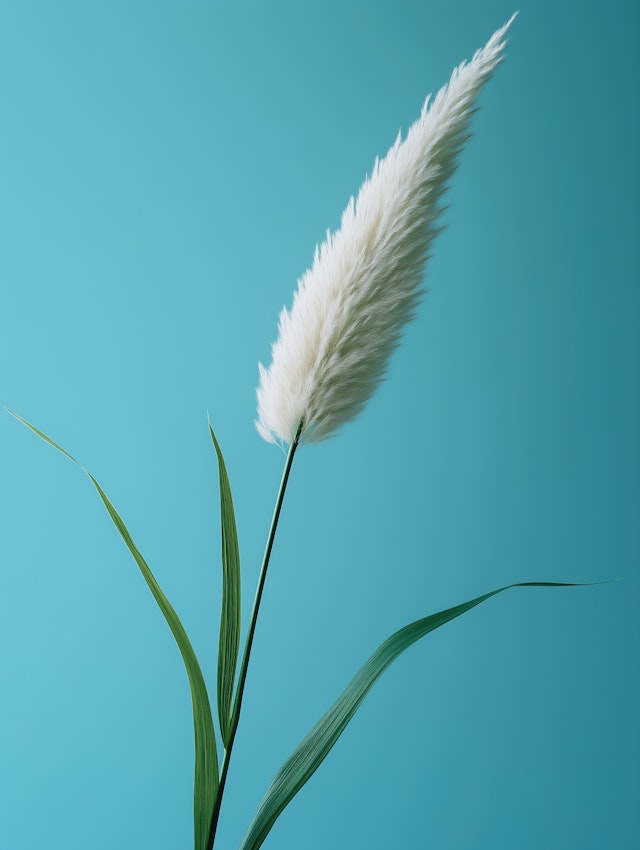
(237, 705)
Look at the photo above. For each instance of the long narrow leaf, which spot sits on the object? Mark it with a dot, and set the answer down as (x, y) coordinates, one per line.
(230, 615)
(314, 748)
(206, 759)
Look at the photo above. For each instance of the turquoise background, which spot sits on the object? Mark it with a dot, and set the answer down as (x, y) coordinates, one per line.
(166, 171)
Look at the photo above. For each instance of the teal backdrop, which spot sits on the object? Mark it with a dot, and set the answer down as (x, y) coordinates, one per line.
(166, 171)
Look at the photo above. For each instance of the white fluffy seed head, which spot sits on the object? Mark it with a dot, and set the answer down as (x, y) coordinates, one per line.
(351, 306)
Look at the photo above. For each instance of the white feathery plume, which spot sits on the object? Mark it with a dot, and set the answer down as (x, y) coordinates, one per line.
(351, 306)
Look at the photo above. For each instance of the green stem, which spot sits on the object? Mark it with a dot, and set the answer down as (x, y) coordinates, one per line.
(235, 717)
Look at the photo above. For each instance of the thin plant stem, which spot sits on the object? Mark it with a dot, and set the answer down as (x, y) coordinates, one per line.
(237, 705)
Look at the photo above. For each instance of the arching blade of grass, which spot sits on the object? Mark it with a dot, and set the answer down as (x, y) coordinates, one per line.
(230, 615)
(314, 748)
(206, 758)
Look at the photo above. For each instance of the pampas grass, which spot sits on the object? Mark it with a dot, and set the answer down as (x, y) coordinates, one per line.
(351, 306)
(332, 351)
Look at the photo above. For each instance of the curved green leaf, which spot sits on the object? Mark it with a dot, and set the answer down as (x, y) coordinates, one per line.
(314, 748)
(206, 759)
(229, 643)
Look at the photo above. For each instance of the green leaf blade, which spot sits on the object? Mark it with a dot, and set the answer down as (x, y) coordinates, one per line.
(229, 642)
(316, 745)
(206, 772)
